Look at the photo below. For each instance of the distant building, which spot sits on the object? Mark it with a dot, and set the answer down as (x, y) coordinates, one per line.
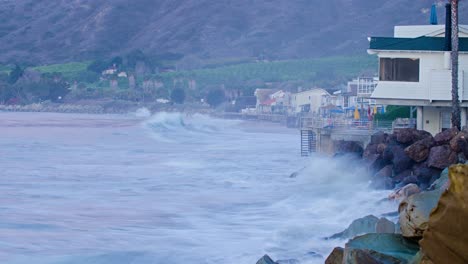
(264, 101)
(310, 101)
(415, 70)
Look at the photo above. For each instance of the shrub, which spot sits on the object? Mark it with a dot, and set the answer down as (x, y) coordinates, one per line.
(178, 95)
(215, 97)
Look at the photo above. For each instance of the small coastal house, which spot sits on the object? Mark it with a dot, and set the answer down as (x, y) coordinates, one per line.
(309, 101)
(264, 100)
(415, 70)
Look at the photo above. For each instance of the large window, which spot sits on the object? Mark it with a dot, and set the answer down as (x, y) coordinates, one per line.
(399, 70)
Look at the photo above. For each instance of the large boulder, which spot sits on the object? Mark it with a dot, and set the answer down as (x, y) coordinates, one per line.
(370, 151)
(425, 174)
(459, 143)
(400, 160)
(346, 147)
(378, 138)
(379, 249)
(383, 178)
(266, 260)
(441, 157)
(385, 226)
(445, 136)
(404, 192)
(336, 257)
(358, 227)
(408, 136)
(419, 151)
(414, 213)
(446, 238)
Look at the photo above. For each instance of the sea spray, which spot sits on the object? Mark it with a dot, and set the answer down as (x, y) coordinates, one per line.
(217, 191)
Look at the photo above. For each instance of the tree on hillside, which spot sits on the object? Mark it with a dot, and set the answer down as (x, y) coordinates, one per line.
(15, 74)
(178, 95)
(455, 101)
(215, 97)
(98, 66)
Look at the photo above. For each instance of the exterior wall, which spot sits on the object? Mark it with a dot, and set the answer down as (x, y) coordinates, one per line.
(434, 80)
(312, 97)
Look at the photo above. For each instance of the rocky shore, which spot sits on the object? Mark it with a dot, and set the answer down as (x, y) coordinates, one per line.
(429, 225)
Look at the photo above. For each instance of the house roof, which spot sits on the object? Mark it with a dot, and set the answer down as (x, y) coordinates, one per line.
(416, 44)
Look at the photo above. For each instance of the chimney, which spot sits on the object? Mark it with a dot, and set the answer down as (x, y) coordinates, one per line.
(448, 27)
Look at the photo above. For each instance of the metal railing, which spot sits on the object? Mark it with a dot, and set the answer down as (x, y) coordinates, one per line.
(347, 125)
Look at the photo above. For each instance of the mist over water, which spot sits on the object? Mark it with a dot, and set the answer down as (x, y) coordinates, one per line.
(169, 188)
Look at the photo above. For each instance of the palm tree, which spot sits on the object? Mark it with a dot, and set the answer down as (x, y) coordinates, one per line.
(456, 122)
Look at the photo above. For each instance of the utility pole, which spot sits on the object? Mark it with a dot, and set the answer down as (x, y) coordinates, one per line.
(456, 119)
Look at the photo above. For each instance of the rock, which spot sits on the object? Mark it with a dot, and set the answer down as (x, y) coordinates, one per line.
(375, 163)
(424, 173)
(414, 213)
(379, 249)
(419, 151)
(370, 150)
(400, 160)
(378, 138)
(343, 147)
(404, 192)
(409, 180)
(446, 238)
(381, 148)
(445, 136)
(266, 260)
(459, 142)
(385, 172)
(385, 226)
(405, 135)
(359, 226)
(400, 177)
(387, 154)
(336, 257)
(441, 157)
(382, 179)
(442, 183)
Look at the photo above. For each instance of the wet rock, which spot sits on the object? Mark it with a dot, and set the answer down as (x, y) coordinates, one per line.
(379, 249)
(459, 142)
(405, 135)
(404, 192)
(359, 226)
(441, 157)
(266, 260)
(414, 213)
(383, 178)
(336, 257)
(441, 183)
(409, 180)
(424, 173)
(385, 226)
(381, 148)
(400, 160)
(419, 151)
(345, 147)
(378, 138)
(370, 150)
(400, 177)
(375, 163)
(446, 239)
(445, 136)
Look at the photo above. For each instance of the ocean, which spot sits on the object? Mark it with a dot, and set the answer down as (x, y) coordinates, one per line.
(169, 188)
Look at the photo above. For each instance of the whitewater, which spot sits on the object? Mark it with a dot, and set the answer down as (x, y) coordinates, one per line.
(169, 188)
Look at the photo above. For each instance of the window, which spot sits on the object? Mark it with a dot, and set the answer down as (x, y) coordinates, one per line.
(399, 69)
(445, 120)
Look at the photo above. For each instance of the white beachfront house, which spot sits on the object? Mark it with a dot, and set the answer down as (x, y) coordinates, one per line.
(309, 101)
(415, 70)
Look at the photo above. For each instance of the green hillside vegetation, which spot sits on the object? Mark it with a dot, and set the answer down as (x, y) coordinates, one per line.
(324, 72)
(68, 70)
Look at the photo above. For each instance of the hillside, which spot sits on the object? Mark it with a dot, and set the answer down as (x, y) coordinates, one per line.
(50, 31)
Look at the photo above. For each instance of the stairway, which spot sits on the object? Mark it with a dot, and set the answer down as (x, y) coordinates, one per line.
(308, 142)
